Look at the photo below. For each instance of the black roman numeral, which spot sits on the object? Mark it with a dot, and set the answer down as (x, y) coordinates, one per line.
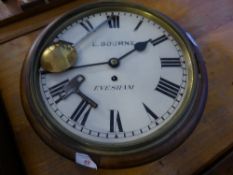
(87, 25)
(170, 62)
(149, 111)
(168, 88)
(113, 21)
(115, 121)
(57, 90)
(159, 40)
(138, 25)
(81, 112)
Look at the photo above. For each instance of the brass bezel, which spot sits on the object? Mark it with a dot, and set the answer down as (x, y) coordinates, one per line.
(108, 155)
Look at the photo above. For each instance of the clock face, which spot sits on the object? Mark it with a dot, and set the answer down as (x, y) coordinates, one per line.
(131, 78)
(116, 81)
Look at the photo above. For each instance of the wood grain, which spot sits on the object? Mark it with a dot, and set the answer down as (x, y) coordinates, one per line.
(211, 23)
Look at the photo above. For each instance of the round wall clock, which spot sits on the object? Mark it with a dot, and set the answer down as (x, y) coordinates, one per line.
(115, 81)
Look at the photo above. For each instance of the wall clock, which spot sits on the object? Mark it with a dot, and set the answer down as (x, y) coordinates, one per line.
(115, 81)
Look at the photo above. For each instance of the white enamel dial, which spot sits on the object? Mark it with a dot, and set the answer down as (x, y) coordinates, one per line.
(137, 84)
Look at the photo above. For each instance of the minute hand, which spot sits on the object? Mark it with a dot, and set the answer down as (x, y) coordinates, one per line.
(91, 32)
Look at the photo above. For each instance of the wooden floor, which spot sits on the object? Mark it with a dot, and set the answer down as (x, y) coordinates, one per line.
(211, 24)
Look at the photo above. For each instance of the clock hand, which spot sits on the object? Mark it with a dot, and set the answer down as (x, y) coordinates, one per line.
(62, 55)
(91, 32)
(139, 46)
(63, 42)
(89, 65)
(74, 87)
(42, 71)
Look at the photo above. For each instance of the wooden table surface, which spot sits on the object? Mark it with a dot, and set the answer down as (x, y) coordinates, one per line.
(211, 24)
